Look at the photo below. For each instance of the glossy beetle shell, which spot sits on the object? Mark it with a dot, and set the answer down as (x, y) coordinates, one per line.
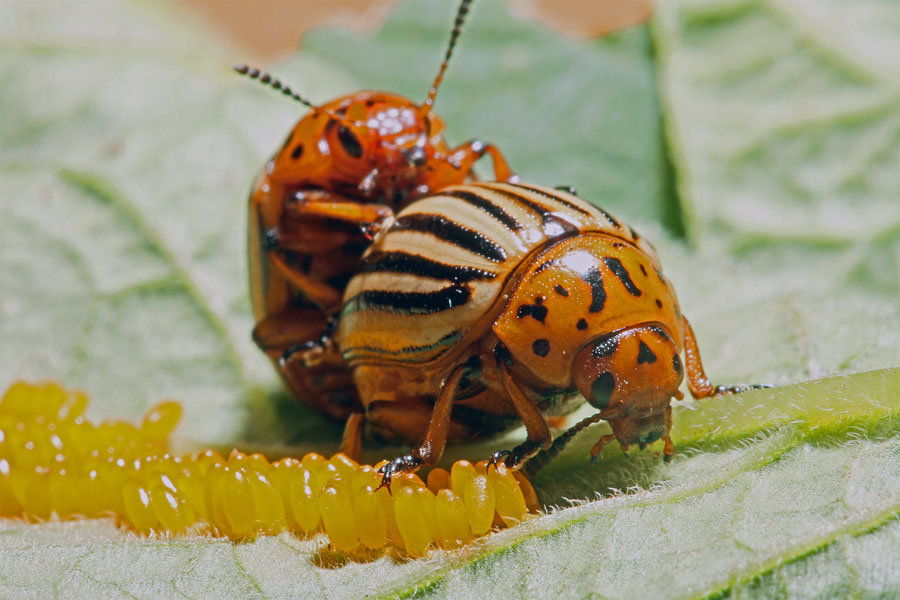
(491, 304)
(340, 174)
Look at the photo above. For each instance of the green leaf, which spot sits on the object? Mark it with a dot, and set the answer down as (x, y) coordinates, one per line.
(127, 151)
(791, 134)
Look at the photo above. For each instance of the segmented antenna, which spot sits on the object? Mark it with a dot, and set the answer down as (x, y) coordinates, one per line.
(461, 13)
(266, 78)
(540, 460)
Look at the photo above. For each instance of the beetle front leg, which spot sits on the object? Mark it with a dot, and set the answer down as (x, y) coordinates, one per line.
(465, 156)
(319, 206)
(432, 447)
(698, 382)
(538, 431)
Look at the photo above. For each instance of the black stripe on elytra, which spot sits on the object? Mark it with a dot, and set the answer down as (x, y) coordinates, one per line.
(609, 217)
(555, 224)
(487, 206)
(563, 201)
(415, 264)
(446, 340)
(645, 354)
(598, 295)
(410, 303)
(452, 232)
(615, 265)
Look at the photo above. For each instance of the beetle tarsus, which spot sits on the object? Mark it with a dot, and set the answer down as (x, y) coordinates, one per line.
(570, 189)
(739, 388)
(497, 457)
(402, 464)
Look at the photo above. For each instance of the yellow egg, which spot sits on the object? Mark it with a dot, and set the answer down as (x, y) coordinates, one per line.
(438, 479)
(160, 420)
(303, 497)
(338, 518)
(510, 502)
(479, 501)
(452, 524)
(54, 461)
(370, 519)
(411, 521)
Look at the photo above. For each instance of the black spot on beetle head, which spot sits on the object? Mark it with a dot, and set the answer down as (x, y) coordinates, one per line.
(645, 354)
(540, 347)
(601, 390)
(350, 142)
(581, 324)
(679, 368)
(297, 152)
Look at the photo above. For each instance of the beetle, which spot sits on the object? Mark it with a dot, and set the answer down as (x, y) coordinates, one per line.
(488, 305)
(346, 166)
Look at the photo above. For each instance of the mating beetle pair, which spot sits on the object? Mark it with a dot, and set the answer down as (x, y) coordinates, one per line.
(478, 307)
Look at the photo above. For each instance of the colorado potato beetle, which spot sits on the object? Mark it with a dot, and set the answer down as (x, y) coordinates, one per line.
(492, 304)
(345, 167)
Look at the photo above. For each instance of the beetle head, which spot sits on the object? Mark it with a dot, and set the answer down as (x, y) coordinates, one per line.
(630, 376)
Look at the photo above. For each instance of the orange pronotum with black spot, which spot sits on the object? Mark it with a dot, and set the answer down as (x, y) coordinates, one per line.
(342, 172)
(492, 304)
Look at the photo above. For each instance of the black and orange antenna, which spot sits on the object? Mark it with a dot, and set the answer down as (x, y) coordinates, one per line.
(266, 78)
(461, 14)
(540, 460)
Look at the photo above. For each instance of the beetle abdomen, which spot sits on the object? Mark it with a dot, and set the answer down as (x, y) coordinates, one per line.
(437, 276)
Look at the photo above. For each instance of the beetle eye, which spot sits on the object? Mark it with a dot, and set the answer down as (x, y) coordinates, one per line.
(350, 142)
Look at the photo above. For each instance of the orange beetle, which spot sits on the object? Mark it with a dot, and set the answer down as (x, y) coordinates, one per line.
(491, 304)
(344, 168)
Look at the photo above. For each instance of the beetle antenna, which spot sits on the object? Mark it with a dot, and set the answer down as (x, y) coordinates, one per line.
(265, 78)
(540, 460)
(461, 13)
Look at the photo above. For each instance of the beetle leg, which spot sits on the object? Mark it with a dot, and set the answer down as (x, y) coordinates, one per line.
(401, 464)
(320, 204)
(313, 352)
(698, 382)
(597, 450)
(432, 447)
(325, 296)
(466, 155)
(539, 436)
(288, 329)
(668, 449)
(351, 440)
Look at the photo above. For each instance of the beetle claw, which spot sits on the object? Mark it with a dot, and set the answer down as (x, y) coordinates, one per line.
(497, 457)
(740, 388)
(398, 466)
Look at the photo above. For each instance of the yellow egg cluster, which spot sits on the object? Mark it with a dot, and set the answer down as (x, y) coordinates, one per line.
(55, 462)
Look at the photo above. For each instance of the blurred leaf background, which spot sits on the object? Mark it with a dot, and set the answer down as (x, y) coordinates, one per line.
(756, 143)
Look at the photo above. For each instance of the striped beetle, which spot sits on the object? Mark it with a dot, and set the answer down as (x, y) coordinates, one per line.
(344, 168)
(491, 304)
